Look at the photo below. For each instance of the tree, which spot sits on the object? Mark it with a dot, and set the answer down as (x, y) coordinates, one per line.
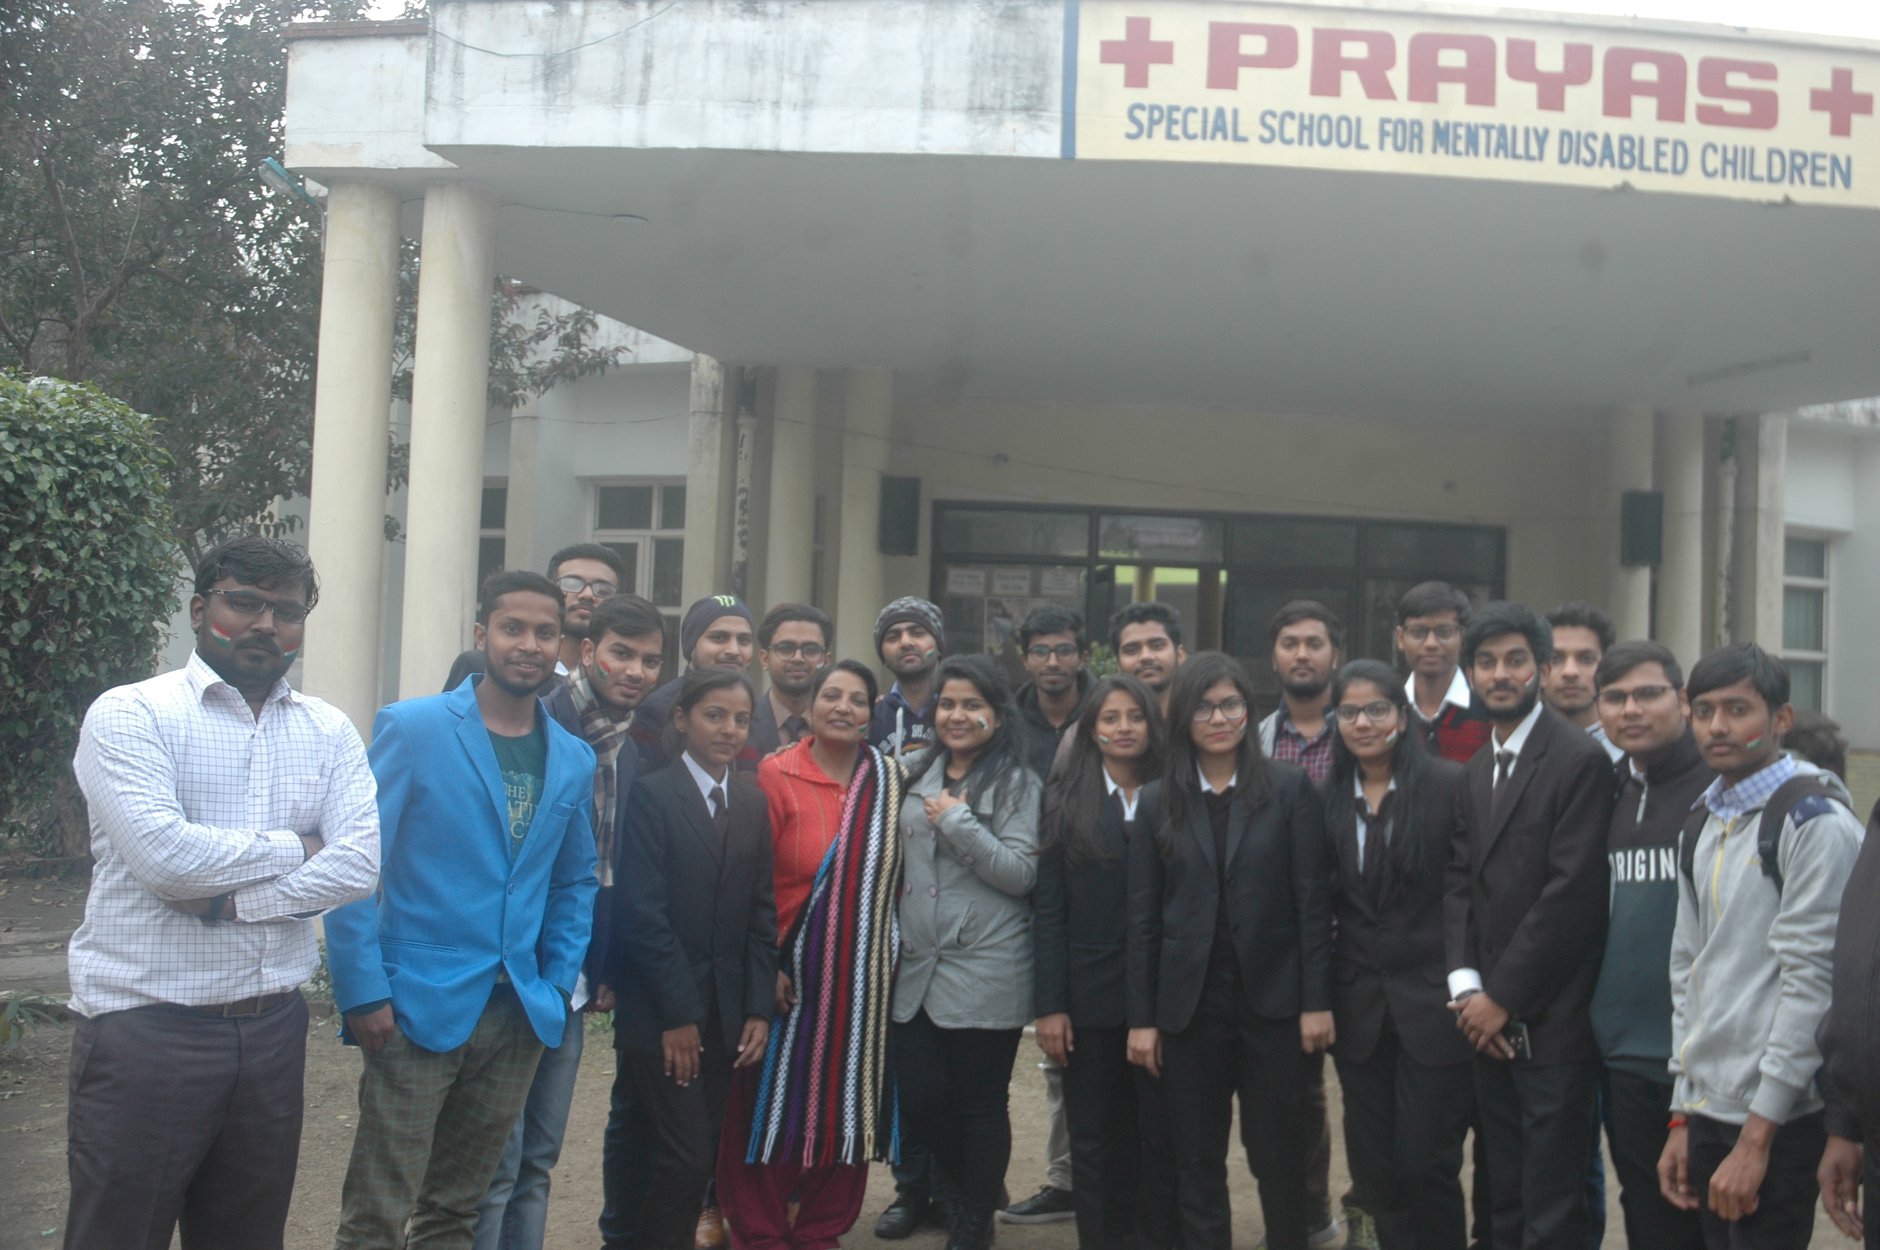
(87, 576)
(140, 251)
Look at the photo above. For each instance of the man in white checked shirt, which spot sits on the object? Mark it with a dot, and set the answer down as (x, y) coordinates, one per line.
(227, 810)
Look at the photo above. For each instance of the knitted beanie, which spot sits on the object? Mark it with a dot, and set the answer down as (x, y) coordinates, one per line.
(701, 614)
(910, 608)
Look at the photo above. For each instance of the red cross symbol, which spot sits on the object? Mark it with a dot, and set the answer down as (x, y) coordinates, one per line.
(1840, 102)
(1136, 52)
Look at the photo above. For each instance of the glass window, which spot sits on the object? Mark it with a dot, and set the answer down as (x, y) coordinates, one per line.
(1291, 543)
(668, 566)
(1804, 618)
(1013, 532)
(489, 556)
(1456, 553)
(1805, 557)
(1181, 539)
(624, 507)
(1805, 684)
(629, 553)
(672, 507)
(495, 508)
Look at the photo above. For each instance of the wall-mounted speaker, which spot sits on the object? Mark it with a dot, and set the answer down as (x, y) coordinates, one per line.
(1641, 528)
(899, 533)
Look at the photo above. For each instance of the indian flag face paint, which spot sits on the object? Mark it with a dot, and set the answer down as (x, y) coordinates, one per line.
(221, 635)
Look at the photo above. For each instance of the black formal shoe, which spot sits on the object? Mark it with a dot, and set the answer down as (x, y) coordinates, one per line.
(902, 1217)
(1047, 1206)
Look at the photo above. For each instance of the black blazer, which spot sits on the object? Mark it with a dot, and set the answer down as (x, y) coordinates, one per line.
(1077, 926)
(1526, 903)
(1278, 880)
(1388, 955)
(697, 929)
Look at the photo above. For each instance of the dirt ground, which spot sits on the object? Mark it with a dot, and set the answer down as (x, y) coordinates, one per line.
(36, 917)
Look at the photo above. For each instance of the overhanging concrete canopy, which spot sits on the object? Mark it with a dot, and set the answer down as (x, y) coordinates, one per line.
(849, 183)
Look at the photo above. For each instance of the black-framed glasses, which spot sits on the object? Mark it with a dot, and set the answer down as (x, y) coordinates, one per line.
(248, 603)
(572, 585)
(1377, 711)
(1641, 695)
(1231, 710)
(1421, 633)
(1063, 651)
(811, 651)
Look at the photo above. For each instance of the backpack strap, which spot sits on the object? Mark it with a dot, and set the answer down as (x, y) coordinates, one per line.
(1806, 797)
(1687, 842)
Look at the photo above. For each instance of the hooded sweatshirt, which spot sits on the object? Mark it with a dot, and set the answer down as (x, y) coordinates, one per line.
(1041, 736)
(1750, 967)
(1632, 1001)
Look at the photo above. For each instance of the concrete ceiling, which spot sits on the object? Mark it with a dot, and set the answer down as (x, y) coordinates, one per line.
(1278, 290)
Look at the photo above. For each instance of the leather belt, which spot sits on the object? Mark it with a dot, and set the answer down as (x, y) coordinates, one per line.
(259, 1005)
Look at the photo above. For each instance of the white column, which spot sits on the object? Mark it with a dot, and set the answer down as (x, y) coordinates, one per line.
(1681, 575)
(1767, 530)
(525, 427)
(449, 400)
(707, 484)
(792, 522)
(1629, 454)
(352, 398)
(868, 413)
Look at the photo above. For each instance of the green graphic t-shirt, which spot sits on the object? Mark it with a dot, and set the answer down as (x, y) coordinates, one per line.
(523, 762)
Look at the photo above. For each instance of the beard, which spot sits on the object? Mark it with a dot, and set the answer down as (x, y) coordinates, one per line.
(1530, 695)
(518, 689)
(1306, 690)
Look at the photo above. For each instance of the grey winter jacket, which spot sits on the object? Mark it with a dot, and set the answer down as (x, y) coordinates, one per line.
(1750, 967)
(966, 946)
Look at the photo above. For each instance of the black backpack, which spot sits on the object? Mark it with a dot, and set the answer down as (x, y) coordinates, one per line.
(1768, 830)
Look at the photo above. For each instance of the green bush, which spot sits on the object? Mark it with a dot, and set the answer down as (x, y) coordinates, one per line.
(88, 573)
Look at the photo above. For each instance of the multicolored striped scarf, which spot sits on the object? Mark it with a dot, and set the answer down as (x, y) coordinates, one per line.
(826, 1091)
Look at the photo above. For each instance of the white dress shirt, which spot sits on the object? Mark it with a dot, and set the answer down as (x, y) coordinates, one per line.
(703, 780)
(1463, 980)
(1458, 695)
(1128, 801)
(1364, 826)
(191, 796)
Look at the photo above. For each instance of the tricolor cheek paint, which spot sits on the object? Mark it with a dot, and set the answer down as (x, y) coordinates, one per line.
(221, 635)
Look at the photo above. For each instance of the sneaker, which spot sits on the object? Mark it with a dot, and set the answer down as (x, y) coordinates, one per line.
(1047, 1206)
(1361, 1230)
(710, 1232)
(1322, 1237)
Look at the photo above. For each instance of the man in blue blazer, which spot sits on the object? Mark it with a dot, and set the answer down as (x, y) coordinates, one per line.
(460, 972)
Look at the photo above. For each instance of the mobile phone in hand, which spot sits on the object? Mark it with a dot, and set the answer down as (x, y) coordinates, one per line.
(1515, 1033)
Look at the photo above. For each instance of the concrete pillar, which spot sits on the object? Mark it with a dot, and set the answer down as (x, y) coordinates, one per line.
(867, 418)
(525, 431)
(449, 400)
(790, 543)
(352, 399)
(707, 484)
(1629, 455)
(1681, 575)
(1762, 455)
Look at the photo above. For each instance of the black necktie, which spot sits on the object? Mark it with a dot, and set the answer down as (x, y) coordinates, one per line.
(1504, 768)
(793, 729)
(721, 815)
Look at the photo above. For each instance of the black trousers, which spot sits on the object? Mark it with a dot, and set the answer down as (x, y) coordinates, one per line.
(628, 1159)
(1637, 1112)
(685, 1121)
(1120, 1149)
(1785, 1205)
(179, 1118)
(1537, 1128)
(1405, 1123)
(955, 1098)
(1226, 1052)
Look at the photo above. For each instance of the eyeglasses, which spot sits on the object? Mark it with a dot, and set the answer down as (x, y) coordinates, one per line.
(1421, 633)
(572, 585)
(1376, 712)
(1231, 710)
(1063, 651)
(247, 603)
(1615, 700)
(790, 650)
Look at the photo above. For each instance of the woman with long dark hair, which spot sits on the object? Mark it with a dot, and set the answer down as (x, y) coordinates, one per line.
(969, 829)
(1230, 954)
(803, 1127)
(1125, 1192)
(1403, 1065)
